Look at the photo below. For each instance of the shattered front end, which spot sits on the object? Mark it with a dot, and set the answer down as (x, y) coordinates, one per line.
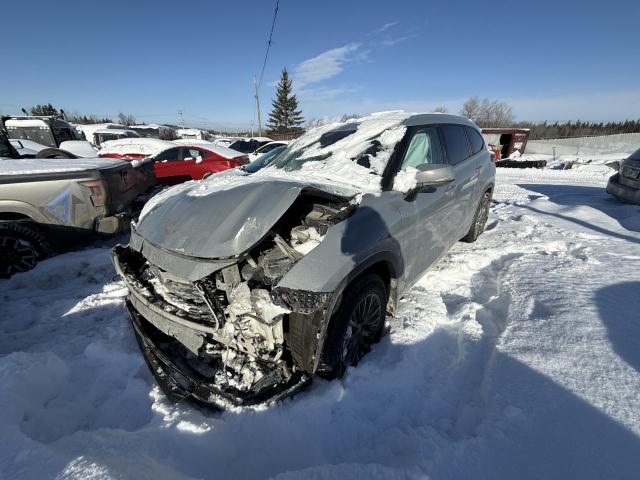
(227, 335)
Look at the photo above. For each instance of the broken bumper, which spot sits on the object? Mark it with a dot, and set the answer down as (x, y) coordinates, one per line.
(167, 343)
(179, 381)
(623, 192)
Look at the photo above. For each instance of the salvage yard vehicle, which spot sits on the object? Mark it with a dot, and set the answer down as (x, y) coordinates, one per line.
(45, 130)
(249, 145)
(266, 148)
(44, 203)
(102, 135)
(625, 185)
(193, 162)
(243, 287)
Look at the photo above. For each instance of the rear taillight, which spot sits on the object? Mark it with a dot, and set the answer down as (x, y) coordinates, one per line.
(98, 192)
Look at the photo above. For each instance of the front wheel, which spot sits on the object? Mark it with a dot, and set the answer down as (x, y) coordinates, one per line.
(355, 326)
(479, 219)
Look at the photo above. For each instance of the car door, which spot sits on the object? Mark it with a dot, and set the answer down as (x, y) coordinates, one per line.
(425, 213)
(462, 189)
(197, 163)
(166, 166)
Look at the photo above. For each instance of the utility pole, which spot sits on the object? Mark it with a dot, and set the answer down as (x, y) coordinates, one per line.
(181, 118)
(255, 87)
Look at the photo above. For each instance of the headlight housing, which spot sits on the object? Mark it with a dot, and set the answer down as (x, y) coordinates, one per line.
(300, 301)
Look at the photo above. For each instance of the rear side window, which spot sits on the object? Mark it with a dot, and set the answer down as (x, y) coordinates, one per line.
(477, 142)
(455, 143)
(635, 155)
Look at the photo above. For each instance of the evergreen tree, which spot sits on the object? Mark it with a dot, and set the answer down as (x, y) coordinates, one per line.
(285, 116)
(44, 110)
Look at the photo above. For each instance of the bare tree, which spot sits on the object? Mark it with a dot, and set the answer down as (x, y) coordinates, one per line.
(127, 120)
(488, 113)
(441, 109)
(471, 108)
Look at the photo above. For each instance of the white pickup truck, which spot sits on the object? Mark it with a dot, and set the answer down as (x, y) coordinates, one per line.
(46, 202)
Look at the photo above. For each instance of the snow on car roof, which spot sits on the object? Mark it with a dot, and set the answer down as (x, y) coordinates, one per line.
(33, 166)
(114, 131)
(218, 149)
(19, 122)
(142, 146)
(387, 128)
(248, 139)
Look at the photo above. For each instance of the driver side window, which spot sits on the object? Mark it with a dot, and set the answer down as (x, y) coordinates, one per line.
(424, 148)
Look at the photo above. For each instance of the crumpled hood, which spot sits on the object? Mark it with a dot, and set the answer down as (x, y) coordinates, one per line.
(222, 219)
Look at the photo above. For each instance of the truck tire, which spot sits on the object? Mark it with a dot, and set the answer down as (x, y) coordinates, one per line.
(479, 219)
(355, 325)
(22, 246)
(55, 153)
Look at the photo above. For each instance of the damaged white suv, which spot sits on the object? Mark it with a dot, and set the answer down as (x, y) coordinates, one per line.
(242, 287)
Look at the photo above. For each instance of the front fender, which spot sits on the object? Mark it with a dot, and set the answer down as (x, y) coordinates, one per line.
(348, 248)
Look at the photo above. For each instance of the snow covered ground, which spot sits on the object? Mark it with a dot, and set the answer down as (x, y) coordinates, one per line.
(515, 357)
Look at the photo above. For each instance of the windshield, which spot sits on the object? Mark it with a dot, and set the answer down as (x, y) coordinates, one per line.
(263, 160)
(41, 135)
(295, 157)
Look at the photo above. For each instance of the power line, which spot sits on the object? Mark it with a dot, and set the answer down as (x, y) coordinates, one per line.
(266, 54)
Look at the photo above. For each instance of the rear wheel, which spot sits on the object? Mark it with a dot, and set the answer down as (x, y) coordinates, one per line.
(355, 326)
(22, 245)
(479, 220)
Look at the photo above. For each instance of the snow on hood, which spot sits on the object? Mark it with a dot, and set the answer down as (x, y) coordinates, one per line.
(224, 222)
(31, 166)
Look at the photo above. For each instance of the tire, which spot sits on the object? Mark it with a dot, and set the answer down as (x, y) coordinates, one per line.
(22, 246)
(479, 219)
(355, 326)
(54, 153)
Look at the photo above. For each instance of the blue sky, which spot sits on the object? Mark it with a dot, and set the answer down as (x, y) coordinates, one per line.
(555, 60)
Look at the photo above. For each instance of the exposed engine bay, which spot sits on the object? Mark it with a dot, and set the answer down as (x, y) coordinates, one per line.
(232, 325)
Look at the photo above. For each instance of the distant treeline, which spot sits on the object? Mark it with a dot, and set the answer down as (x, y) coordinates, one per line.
(578, 128)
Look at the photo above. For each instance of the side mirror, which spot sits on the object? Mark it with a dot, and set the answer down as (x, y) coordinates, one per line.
(433, 175)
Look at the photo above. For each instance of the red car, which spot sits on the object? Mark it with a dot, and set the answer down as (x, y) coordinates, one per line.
(188, 162)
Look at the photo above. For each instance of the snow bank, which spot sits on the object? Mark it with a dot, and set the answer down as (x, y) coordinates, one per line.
(514, 357)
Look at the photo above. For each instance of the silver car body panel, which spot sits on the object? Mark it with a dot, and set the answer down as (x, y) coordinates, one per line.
(242, 215)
